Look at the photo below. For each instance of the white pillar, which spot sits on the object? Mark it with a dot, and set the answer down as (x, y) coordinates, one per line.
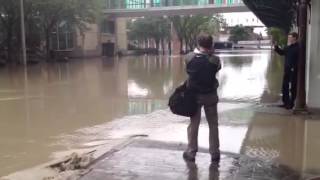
(313, 71)
(121, 33)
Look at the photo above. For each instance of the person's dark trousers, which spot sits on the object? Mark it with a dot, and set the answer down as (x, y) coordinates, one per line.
(289, 88)
(293, 89)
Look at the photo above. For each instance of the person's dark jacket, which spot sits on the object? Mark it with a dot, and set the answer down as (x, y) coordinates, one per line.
(202, 70)
(291, 54)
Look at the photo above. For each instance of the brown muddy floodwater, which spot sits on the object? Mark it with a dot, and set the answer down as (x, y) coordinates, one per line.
(39, 107)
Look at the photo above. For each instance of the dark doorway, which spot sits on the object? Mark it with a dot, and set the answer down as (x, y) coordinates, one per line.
(108, 49)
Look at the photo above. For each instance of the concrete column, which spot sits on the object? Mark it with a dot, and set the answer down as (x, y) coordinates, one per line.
(301, 101)
(121, 34)
(88, 44)
(313, 72)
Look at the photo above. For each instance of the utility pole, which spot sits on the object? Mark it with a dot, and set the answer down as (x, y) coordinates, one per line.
(23, 34)
(300, 105)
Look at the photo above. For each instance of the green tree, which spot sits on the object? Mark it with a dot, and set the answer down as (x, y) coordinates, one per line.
(41, 18)
(9, 25)
(189, 27)
(180, 25)
(76, 13)
(195, 24)
(157, 29)
(164, 31)
(201, 24)
(239, 33)
(278, 36)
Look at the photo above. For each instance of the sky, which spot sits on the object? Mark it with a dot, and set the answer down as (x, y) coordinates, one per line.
(246, 19)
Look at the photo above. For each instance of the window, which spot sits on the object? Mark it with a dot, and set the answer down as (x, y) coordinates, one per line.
(177, 2)
(230, 2)
(107, 26)
(62, 37)
(136, 4)
(156, 3)
(203, 2)
(218, 2)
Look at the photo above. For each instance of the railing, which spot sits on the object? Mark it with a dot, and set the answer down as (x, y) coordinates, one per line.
(142, 4)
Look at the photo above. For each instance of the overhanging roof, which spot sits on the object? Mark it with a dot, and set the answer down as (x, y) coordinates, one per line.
(274, 13)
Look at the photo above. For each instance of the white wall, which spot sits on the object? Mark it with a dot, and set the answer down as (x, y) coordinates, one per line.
(314, 57)
(242, 18)
(121, 33)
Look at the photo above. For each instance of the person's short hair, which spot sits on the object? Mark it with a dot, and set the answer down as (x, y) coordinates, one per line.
(205, 41)
(294, 34)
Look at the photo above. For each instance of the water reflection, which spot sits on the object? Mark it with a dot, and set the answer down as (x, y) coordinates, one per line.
(157, 75)
(274, 79)
(288, 140)
(135, 91)
(192, 171)
(243, 78)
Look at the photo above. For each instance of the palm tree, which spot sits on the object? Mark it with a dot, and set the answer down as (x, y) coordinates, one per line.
(189, 27)
(157, 29)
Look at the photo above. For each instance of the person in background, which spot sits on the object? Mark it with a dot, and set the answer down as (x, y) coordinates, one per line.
(289, 82)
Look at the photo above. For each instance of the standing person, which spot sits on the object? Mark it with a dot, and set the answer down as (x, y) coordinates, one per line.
(289, 83)
(202, 67)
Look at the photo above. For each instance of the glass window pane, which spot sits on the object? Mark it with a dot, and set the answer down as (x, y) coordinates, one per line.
(135, 4)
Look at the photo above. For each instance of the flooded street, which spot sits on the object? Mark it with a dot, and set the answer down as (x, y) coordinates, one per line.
(56, 108)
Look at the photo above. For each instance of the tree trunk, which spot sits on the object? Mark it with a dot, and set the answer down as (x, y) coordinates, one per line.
(157, 44)
(9, 45)
(181, 46)
(191, 44)
(145, 41)
(47, 35)
(163, 47)
(186, 46)
(169, 47)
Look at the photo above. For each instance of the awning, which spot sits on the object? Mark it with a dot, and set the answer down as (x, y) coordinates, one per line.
(274, 13)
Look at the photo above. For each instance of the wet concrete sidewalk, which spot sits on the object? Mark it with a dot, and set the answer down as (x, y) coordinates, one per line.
(258, 142)
(145, 159)
(271, 144)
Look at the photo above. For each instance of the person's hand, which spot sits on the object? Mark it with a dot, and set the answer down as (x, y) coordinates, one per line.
(275, 43)
(276, 46)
